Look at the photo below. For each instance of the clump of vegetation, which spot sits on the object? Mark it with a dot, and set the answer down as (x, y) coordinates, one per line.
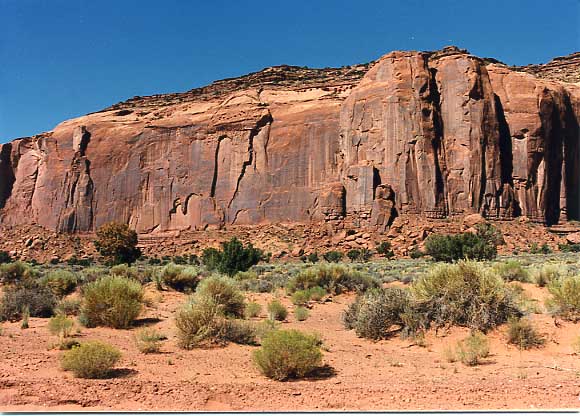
(29, 295)
(378, 313)
(180, 278)
(252, 310)
(569, 248)
(111, 301)
(61, 326)
(5, 257)
(547, 273)
(13, 273)
(522, 334)
(316, 293)
(479, 246)
(464, 294)
(384, 249)
(240, 332)
(543, 249)
(69, 306)
(301, 313)
(312, 257)
(415, 253)
(277, 311)
(473, 349)
(25, 317)
(288, 354)
(148, 340)
(232, 258)
(200, 322)
(335, 279)
(224, 292)
(565, 299)
(511, 271)
(117, 243)
(61, 282)
(301, 297)
(333, 256)
(93, 359)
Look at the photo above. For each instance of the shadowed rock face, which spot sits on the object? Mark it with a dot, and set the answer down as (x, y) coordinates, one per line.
(438, 134)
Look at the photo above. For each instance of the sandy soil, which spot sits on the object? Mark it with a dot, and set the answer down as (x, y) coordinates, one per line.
(393, 374)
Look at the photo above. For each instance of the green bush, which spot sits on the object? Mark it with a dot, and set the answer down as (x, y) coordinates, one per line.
(333, 256)
(69, 306)
(180, 278)
(378, 313)
(415, 253)
(12, 273)
(312, 257)
(111, 301)
(335, 279)
(565, 299)
(468, 246)
(473, 349)
(353, 255)
(511, 271)
(301, 297)
(240, 332)
(252, 310)
(60, 326)
(117, 243)
(547, 273)
(569, 248)
(5, 257)
(523, 335)
(288, 354)
(543, 249)
(256, 285)
(90, 274)
(232, 258)
(61, 282)
(148, 340)
(36, 298)
(384, 249)
(199, 323)
(301, 313)
(277, 311)
(316, 293)
(465, 294)
(93, 359)
(224, 292)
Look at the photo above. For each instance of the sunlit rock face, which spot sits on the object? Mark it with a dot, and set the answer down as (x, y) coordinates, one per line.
(436, 133)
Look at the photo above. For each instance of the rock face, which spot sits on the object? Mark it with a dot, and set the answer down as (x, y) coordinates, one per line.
(435, 133)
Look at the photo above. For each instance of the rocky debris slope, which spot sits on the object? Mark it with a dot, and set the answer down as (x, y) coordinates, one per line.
(438, 134)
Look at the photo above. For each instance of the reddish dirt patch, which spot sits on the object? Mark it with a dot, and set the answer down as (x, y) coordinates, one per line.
(393, 374)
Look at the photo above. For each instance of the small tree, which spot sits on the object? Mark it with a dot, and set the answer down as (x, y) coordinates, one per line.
(384, 249)
(117, 243)
(232, 258)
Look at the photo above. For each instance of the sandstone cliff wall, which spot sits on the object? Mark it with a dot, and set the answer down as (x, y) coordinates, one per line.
(438, 134)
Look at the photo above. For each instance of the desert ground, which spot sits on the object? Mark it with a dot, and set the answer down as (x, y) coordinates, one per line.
(360, 374)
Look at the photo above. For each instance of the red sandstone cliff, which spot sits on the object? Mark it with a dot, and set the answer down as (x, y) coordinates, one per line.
(438, 133)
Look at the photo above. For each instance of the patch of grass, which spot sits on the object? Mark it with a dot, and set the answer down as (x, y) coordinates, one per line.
(61, 282)
(301, 297)
(199, 323)
(252, 310)
(316, 293)
(565, 299)
(148, 340)
(522, 334)
(288, 354)
(511, 271)
(301, 313)
(61, 326)
(111, 301)
(240, 332)
(333, 278)
(473, 349)
(93, 359)
(69, 306)
(546, 273)
(277, 311)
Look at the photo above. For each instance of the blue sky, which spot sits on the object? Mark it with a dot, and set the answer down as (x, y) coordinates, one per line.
(61, 59)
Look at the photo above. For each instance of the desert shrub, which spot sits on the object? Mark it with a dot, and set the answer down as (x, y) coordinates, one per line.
(117, 243)
(277, 311)
(256, 285)
(200, 322)
(60, 326)
(25, 317)
(490, 234)
(353, 255)
(415, 253)
(465, 294)
(288, 354)
(301, 313)
(469, 246)
(511, 271)
(384, 249)
(12, 273)
(232, 258)
(316, 293)
(90, 274)
(5, 257)
(148, 340)
(543, 249)
(69, 306)
(312, 257)
(522, 334)
(378, 313)
(111, 301)
(68, 344)
(240, 332)
(565, 299)
(252, 310)
(246, 275)
(93, 359)
(334, 278)
(180, 278)
(36, 298)
(473, 349)
(126, 271)
(333, 256)
(301, 297)
(547, 273)
(61, 282)
(224, 292)
(569, 248)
